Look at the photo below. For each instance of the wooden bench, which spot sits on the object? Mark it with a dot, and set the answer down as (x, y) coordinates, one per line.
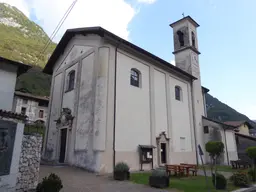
(178, 170)
(192, 167)
(240, 163)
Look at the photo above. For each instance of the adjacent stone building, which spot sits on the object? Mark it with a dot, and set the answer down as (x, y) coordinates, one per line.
(34, 107)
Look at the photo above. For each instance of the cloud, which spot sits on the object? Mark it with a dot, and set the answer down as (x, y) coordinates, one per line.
(113, 15)
(147, 1)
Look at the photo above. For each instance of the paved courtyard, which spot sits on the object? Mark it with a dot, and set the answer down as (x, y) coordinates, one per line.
(77, 180)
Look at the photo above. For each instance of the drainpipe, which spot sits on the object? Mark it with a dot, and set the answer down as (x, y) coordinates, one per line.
(194, 121)
(226, 145)
(114, 128)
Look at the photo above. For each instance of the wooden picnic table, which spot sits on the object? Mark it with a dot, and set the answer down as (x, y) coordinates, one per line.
(178, 169)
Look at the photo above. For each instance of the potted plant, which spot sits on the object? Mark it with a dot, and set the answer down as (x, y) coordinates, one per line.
(121, 171)
(159, 179)
(52, 183)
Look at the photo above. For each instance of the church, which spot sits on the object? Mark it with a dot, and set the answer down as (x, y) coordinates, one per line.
(112, 101)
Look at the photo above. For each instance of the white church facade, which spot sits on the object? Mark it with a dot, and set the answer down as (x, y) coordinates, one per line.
(110, 99)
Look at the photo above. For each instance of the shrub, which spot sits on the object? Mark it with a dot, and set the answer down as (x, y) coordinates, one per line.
(121, 167)
(221, 181)
(240, 179)
(251, 152)
(52, 183)
(214, 148)
(251, 173)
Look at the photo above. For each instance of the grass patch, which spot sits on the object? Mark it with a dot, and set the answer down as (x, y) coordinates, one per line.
(224, 168)
(185, 184)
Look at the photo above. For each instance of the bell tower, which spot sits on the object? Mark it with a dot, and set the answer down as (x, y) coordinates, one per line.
(187, 58)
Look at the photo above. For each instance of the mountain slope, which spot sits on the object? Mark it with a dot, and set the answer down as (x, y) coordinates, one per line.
(23, 40)
(222, 112)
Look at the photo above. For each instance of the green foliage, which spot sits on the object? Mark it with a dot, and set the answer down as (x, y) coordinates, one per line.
(221, 181)
(251, 152)
(35, 82)
(159, 172)
(240, 179)
(252, 175)
(214, 148)
(121, 167)
(52, 183)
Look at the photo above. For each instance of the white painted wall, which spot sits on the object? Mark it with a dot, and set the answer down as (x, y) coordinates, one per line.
(84, 115)
(8, 74)
(231, 145)
(132, 106)
(77, 46)
(181, 125)
(55, 109)
(160, 103)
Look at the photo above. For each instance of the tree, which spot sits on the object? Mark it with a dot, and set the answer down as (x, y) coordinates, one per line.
(251, 152)
(215, 149)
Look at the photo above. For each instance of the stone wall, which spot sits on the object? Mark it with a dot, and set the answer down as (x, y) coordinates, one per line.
(29, 162)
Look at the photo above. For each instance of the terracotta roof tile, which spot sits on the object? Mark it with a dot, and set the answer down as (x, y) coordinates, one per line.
(10, 114)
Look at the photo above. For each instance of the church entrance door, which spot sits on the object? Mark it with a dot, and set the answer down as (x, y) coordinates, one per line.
(163, 153)
(163, 149)
(63, 142)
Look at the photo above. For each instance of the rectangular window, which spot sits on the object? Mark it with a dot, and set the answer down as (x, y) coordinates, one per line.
(25, 101)
(23, 110)
(206, 129)
(182, 143)
(41, 114)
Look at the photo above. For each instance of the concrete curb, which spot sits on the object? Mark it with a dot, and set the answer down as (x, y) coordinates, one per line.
(251, 189)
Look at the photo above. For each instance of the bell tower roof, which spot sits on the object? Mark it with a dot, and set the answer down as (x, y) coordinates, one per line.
(185, 18)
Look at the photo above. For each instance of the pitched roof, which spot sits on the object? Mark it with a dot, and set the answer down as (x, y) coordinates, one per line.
(238, 123)
(12, 115)
(186, 18)
(225, 126)
(70, 33)
(246, 136)
(28, 95)
(22, 68)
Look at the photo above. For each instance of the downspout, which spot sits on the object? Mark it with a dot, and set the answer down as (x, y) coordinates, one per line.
(114, 127)
(226, 145)
(194, 121)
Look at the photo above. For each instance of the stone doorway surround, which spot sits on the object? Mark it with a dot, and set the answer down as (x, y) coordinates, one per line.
(162, 138)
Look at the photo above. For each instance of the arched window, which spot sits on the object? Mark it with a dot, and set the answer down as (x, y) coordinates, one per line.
(178, 93)
(71, 80)
(193, 39)
(135, 77)
(181, 38)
